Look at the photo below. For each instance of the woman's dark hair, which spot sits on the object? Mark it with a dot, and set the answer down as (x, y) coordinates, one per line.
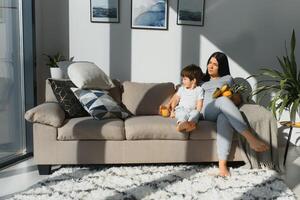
(223, 69)
(192, 71)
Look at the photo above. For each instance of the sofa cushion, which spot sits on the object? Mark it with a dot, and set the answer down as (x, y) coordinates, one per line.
(99, 104)
(89, 76)
(66, 98)
(86, 128)
(206, 130)
(145, 98)
(116, 92)
(152, 127)
(49, 113)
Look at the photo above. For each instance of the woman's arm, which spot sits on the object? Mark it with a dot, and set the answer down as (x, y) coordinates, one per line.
(199, 105)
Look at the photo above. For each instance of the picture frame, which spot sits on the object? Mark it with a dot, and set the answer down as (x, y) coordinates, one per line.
(1, 12)
(190, 12)
(152, 14)
(105, 11)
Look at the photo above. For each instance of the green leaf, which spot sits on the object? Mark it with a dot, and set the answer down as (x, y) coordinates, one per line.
(294, 109)
(288, 66)
(273, 103)
(272, 73)
(293, 42)
(253, 76)
(283, 106)
(282, 65)
(268, 81)
(264, 88)
(298, 77)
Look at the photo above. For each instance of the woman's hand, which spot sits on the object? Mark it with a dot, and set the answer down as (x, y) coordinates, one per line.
(237, 99)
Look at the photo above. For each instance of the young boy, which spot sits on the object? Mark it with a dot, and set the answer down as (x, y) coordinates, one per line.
(189, 99)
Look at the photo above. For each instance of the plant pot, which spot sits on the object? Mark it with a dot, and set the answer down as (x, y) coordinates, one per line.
(56, 73)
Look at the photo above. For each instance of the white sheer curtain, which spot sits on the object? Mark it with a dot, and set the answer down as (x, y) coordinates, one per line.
(12, 131)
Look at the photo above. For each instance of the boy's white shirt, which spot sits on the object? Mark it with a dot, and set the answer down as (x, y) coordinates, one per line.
(189, 97)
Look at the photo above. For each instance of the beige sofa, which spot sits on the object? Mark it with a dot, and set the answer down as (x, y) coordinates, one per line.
(138, 139)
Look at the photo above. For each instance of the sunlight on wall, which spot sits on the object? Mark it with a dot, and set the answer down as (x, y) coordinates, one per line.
(155, 54)
(208, 47)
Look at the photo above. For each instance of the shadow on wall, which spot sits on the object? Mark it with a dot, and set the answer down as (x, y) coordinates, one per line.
(120, 45)
(52, 36)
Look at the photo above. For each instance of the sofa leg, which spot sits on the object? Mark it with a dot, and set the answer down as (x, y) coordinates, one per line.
(44, 169)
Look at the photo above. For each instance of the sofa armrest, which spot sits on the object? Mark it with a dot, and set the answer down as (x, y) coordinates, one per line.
(49, 113)
(256, 113)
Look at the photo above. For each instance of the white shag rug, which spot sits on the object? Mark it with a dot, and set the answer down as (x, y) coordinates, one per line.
(158, 182)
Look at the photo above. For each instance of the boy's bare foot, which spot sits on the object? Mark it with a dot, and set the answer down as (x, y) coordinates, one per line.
(223, 169)
(255, 143)
(182, 126)
(191, 126)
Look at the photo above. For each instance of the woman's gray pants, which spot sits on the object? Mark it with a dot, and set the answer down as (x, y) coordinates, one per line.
(228, 117)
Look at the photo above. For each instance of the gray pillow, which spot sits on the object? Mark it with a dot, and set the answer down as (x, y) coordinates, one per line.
(145, 98)
(89, 76)
(99, 104)
(49, 113)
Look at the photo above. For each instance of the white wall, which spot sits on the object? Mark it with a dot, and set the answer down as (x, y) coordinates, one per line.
(251, 33)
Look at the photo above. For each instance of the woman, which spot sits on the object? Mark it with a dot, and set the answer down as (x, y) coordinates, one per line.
(223, 111)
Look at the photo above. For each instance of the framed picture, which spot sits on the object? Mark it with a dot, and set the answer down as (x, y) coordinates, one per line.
(1, 12)
(190, 12)
(149, 14)
(105, 11)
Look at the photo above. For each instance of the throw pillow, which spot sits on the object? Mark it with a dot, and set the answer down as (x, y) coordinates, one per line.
(99, 104)
(89, 76)
(49, 113)
(66, 98)
(145, 98)
(64, 65)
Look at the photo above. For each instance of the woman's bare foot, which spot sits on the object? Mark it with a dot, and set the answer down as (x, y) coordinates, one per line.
(223, 169)
(182, 126)
(255, 143)
(191, 126)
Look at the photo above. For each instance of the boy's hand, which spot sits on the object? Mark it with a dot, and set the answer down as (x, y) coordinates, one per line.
(172, 115)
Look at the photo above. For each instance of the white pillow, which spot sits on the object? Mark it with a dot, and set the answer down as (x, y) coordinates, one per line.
(64, 65)
(89, 76)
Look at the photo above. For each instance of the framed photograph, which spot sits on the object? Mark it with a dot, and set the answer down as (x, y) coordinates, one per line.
(149, 14)
(190, 12)
(105, 11)
(1, 12)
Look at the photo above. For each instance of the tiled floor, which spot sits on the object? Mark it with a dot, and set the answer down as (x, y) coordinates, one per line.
(24, 174)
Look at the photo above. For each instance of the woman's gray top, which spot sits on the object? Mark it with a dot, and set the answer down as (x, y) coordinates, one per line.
(210, 86)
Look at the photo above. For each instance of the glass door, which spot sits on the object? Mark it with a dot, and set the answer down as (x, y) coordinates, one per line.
(12, 96)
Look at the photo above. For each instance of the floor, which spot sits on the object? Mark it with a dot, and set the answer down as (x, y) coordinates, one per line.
(24, 174)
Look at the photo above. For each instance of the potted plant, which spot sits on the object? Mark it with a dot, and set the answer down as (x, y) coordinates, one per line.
(285, 84)
(55, 71)
(238, 89)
